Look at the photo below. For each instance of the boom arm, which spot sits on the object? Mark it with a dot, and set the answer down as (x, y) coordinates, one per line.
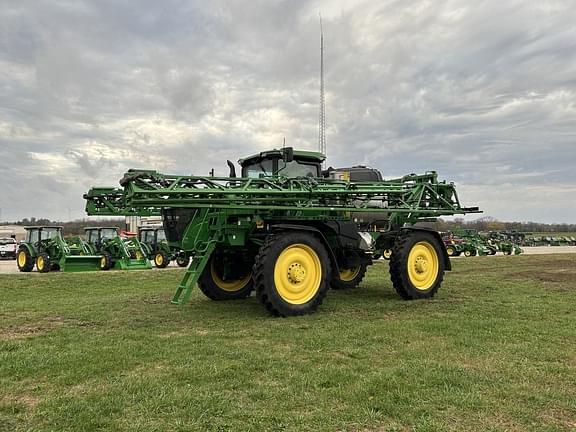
(407, 199)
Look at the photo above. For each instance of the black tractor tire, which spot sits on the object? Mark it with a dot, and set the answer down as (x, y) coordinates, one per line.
(161, 259)
(43, 263)
(182, 261)
(417, 265)
(106, 261)
(348, 278)
(24, 260)
(292, 273)
(451, 250)
(215, 288)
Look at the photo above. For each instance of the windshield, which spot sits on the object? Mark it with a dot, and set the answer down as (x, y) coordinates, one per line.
(147, 236)
(49, 233)
(108, 233)
(298, 169)
(264, 168)
(7, 241)
(161, 235)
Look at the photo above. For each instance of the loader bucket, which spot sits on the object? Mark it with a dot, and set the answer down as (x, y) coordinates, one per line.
(80, 263)
(133, 264)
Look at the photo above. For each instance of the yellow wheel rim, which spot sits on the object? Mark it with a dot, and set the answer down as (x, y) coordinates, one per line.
(387, 253)
(230, 286)
(348, 275)
(450, 251)
(298, 274)
(139, 255)
(102, 262)
(22, 258)
(423, 265)
(40, 263)
(467, 253)
(159, 259)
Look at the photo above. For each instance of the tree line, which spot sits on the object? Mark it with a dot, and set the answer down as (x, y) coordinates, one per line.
(482, 224)
(72, 227)
(491, 224)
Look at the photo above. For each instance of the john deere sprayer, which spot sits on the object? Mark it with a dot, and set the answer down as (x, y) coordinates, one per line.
(290, 231)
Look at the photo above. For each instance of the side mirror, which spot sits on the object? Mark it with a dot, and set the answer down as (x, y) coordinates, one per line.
(288, 154)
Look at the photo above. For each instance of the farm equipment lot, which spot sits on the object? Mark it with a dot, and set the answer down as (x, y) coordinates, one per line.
(9, 266)
(494, 350)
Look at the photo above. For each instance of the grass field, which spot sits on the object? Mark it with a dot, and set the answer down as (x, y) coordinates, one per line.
(494, 351)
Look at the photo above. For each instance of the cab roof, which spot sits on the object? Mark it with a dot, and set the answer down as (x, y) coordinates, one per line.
(311, 156)
(43, 226)
(95, 228)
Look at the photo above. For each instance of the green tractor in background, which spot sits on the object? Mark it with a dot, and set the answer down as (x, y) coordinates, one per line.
(45, 248)
(116, 252)
(154, 243)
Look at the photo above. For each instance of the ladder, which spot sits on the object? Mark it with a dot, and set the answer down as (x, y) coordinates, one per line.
(205, 243)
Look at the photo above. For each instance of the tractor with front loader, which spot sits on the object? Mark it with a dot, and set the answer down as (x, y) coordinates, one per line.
(46, 248)
(117, 252)
(288, 231)
(157, 249)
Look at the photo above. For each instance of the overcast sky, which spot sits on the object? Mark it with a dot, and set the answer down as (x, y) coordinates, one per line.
(483, 92)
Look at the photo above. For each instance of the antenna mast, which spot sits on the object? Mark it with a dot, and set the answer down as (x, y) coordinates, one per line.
(322, 117)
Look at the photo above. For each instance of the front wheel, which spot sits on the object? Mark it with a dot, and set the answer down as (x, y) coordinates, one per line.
(348, 277)
(161, 259)
(225, 278)
(291, 273)
(182, 260)
(106, 261)
(417, 265)
(43, 264)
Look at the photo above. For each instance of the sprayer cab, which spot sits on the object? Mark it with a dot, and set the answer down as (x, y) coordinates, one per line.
(285, 162)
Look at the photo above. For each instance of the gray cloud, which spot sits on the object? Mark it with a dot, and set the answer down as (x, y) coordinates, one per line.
(484, 93)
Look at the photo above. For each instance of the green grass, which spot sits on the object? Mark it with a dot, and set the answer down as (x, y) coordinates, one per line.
(494, 351)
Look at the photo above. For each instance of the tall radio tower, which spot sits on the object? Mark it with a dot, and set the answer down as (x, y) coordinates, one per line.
(322, 118)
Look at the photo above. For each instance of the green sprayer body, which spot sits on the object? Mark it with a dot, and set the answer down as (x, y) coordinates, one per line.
(235, 227)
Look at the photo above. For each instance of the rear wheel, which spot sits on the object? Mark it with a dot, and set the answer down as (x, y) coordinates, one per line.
(161, 259)
(43, 264)
(417, 265)
(24, 260)
(348, 277)
(291, 273)
(226, 278)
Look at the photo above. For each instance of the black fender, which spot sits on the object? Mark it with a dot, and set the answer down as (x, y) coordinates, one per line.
(436, 234)
(29, 247)
(317, 232)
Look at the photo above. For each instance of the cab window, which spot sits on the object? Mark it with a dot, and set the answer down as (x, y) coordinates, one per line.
(297, 169)
(33, 236)
(260, 169)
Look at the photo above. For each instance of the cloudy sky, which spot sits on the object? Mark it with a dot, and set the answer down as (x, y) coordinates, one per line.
(484, 92)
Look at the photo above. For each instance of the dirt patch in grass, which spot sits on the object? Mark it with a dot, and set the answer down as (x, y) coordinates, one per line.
(41, 327)
(555, 276)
